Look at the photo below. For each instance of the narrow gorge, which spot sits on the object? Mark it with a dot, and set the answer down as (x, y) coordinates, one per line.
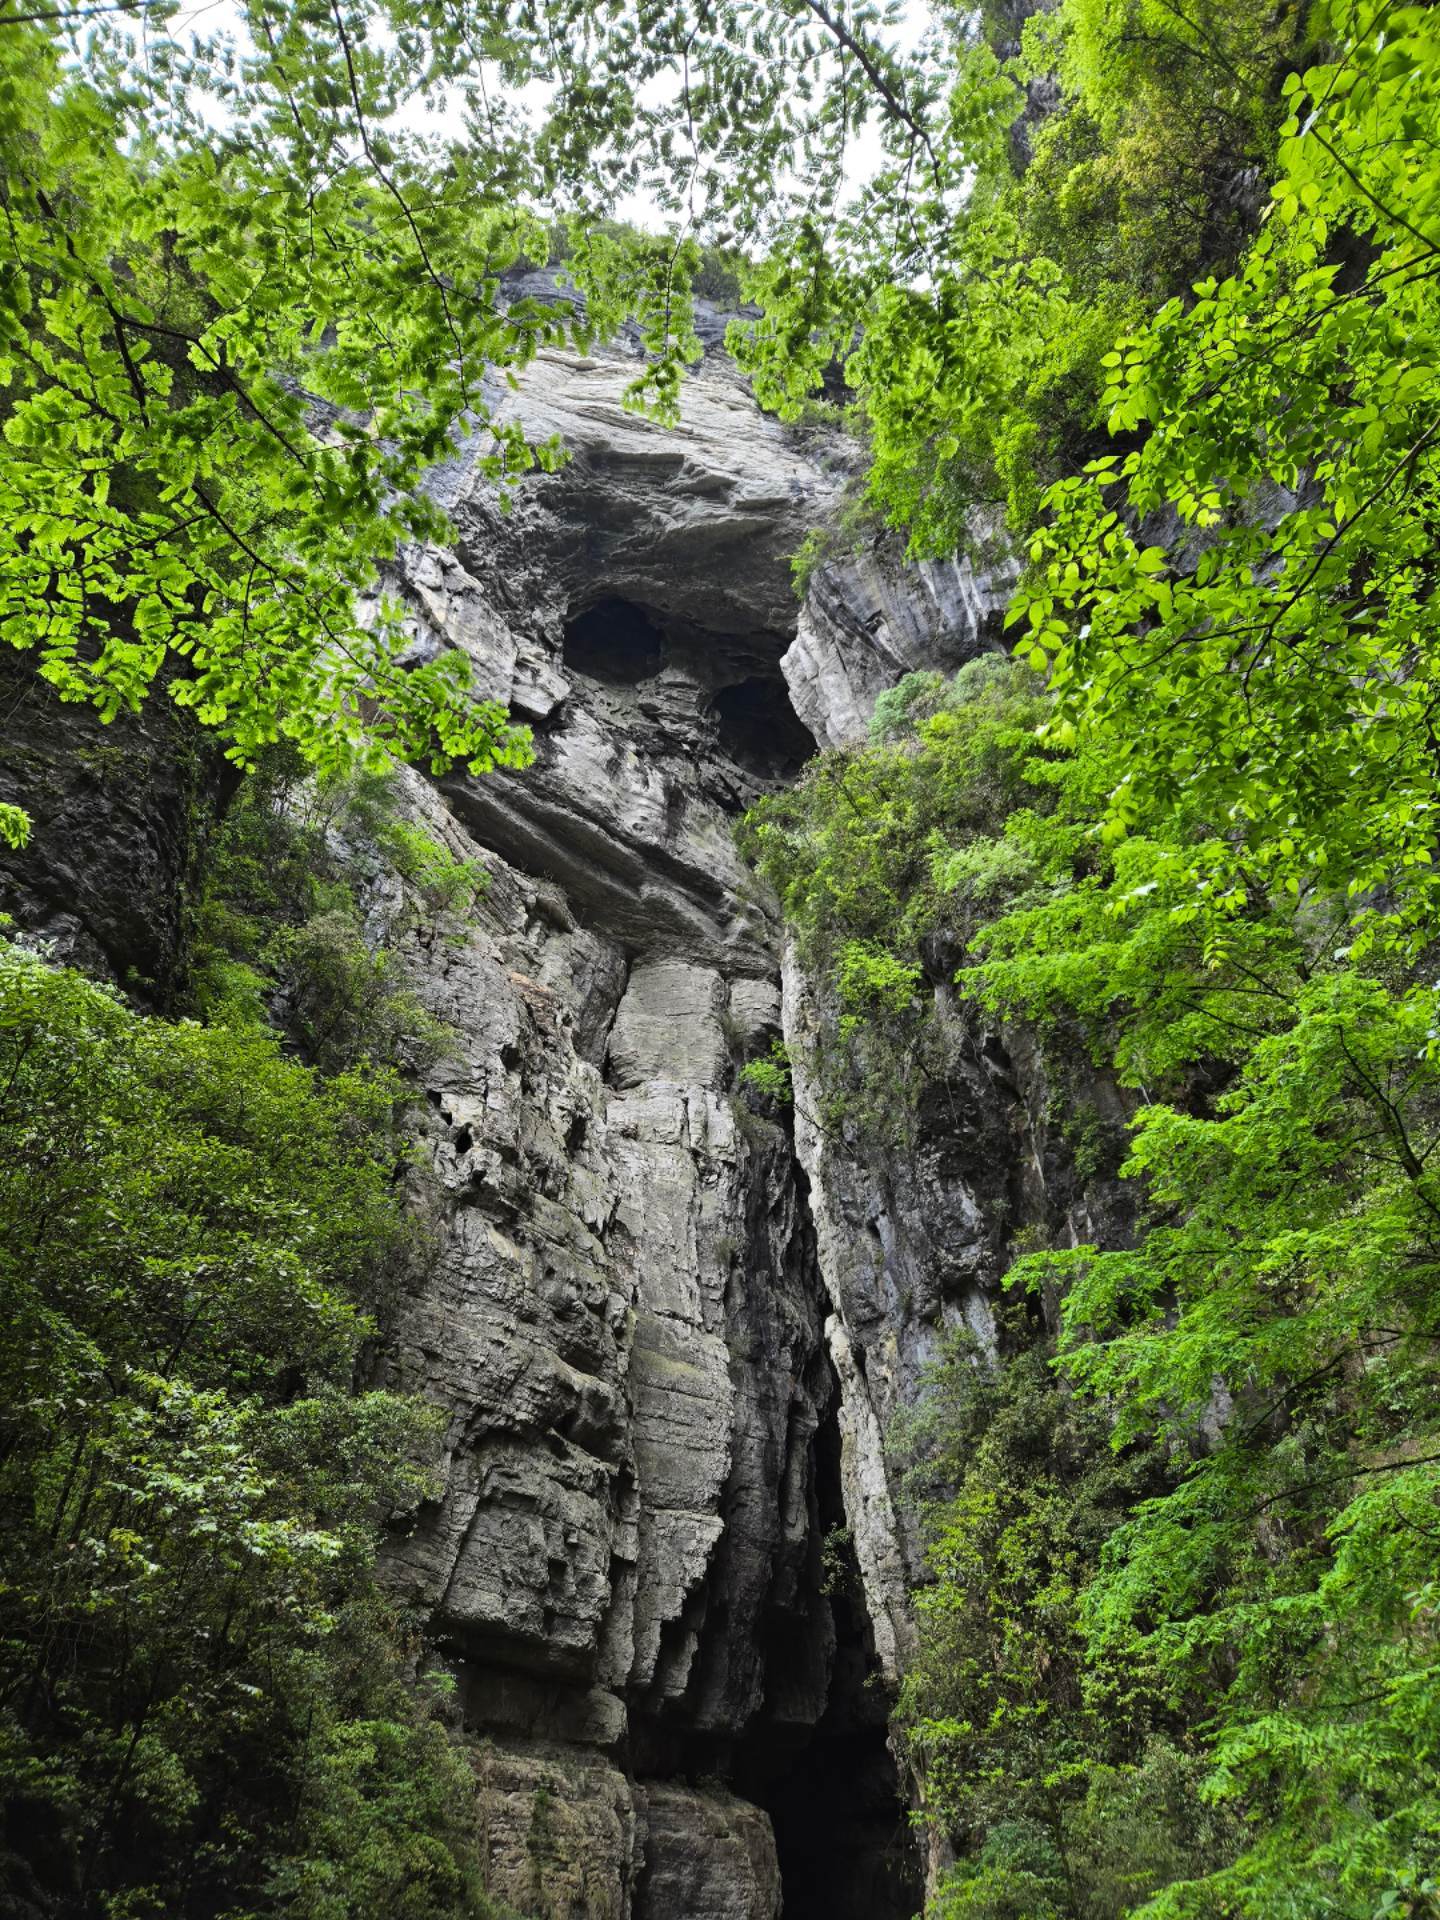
(666, 1323)
(719, 1000)
(665, 1570)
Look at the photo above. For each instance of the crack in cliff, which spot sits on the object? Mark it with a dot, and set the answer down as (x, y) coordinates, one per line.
(834, 1792)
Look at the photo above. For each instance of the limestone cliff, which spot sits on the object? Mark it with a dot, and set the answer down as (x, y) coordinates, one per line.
(624, 1322)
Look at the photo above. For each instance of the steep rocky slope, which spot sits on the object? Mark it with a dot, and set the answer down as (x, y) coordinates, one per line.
(625, 1321)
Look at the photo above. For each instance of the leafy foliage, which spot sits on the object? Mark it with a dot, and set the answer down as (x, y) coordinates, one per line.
(769, 1075)
(203, 1696)
(1252, 695)
(227, 362)
(1264, 675)
(971, 299)
(287, 929)
(245, 306)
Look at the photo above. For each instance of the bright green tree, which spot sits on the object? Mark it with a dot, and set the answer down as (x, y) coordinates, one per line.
(972, 288)
(205, 1704)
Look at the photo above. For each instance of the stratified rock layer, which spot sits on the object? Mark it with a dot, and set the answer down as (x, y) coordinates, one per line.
(624, 1318)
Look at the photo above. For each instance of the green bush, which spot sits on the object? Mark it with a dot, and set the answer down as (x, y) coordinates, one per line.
(281, 928)
(862, 852)
(203, 1697)
(769, 1076)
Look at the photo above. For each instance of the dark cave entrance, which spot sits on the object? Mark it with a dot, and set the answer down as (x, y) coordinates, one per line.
(615, 641)
(842, 1832)
(749, 717)
(842, 1837)
(760, 730)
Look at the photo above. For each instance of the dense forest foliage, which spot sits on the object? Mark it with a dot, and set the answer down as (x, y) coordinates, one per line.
(1180, 1647)
(207, 1703)
(1144, 292)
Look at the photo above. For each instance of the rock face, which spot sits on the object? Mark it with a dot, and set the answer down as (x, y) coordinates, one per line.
(113, 813)
(624, 1321)
(913, 1242)
(669, 1571)
(868, 620)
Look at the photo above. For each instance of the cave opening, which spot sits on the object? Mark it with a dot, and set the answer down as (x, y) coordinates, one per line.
(760, 730)
(843, 1838)
(615, 641)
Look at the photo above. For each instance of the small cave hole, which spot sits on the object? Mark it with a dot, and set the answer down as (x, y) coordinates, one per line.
(760, 730)
(464, 1140)
(614, 641)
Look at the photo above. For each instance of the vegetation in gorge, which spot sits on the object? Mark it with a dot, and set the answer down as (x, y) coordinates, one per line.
(281, 928)
(205, 1700)
(208, 1704)
(1216, 867)
(1256, 1592)
(1067, 1775)
(1157, 289)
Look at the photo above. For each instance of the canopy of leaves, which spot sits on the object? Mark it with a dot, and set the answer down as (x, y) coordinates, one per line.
(1039, 194)
(1259, 658)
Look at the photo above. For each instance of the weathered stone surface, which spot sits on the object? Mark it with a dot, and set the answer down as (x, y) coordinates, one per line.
(657, 1403)
(871, 618)
(568, 1837)
(698, 521)
(668, 1027)
(622, 1320)
(560, 1829)
(708, 1856)
(622, 1323)
(754, 1015)
(113, 830)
